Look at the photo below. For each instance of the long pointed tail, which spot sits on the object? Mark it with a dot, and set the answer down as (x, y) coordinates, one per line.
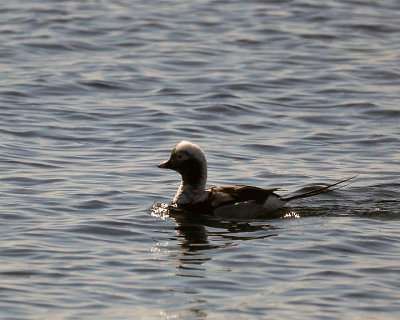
(322, 190)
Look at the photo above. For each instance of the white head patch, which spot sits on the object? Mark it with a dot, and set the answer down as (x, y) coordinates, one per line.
(192, 149)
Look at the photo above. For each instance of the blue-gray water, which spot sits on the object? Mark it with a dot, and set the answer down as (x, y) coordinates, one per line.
(287, 94)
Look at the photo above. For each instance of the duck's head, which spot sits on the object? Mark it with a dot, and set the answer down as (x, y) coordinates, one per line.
(189, 160)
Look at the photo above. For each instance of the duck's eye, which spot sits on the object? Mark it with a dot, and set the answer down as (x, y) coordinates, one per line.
(179, 157)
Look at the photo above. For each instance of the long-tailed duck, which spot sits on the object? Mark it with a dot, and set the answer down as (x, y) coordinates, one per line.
(223, 201)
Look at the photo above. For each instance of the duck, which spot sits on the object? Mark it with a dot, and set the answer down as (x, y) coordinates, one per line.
(238, 201)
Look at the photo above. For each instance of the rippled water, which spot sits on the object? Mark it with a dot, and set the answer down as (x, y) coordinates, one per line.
(286, 94)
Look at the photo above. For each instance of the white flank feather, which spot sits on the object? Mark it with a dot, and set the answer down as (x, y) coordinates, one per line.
(273, 203)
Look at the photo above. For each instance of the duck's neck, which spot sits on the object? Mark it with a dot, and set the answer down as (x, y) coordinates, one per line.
(192, 190)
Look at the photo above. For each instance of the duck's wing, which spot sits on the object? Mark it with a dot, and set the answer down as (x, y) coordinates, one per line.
(244, 201)
(223, 195)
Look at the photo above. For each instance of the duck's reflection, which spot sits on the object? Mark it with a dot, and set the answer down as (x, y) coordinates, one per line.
(195, 231)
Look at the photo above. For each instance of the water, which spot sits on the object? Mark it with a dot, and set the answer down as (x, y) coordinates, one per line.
(286, 94)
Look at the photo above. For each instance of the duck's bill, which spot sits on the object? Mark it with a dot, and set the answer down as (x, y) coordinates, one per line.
(165, 165)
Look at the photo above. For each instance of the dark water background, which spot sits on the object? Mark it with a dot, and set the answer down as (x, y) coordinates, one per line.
(285, 94)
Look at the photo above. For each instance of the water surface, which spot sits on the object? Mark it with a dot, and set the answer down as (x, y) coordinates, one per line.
(289, 94)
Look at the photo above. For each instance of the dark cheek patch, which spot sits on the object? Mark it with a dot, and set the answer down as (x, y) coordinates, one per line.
(191, 172)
